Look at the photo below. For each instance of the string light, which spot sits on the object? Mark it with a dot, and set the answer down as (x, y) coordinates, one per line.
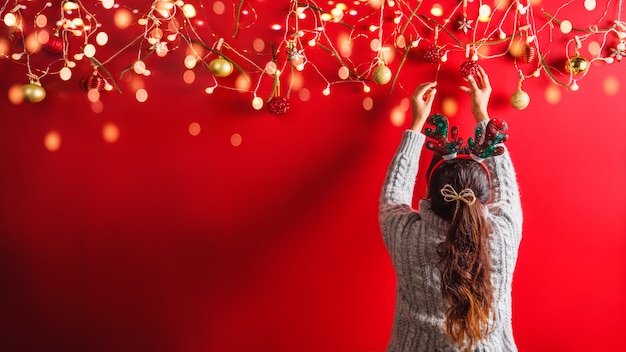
(391, 27)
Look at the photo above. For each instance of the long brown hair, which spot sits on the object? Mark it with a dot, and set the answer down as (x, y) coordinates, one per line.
(465, 258)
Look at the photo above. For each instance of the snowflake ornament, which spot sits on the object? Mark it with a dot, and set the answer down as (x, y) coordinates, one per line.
(465, 25)
(619, 52)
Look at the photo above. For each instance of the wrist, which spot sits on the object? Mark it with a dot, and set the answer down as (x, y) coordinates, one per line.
(481, 115)
(417, 125)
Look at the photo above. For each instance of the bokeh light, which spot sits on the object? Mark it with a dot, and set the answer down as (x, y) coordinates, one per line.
(367, 103)
(194, 129)
(123, 18)
(52, 141)
(397, 116)
(110, 132)
(141, 95)
(236, 139)
(611, 85)
(449, 106)
(553, 94)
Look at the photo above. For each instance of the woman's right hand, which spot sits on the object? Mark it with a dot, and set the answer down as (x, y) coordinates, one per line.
(421, 104)
(480, 91)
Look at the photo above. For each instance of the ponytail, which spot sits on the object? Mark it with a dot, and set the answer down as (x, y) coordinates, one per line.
(466, 276)
(465, 256)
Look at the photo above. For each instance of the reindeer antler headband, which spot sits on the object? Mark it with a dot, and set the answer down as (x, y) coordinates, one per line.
(486, 142)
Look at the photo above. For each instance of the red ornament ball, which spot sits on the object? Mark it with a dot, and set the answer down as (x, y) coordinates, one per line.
(528, 54)
(91, 82)
(433, 54)
(278, 105)
(54, 45)
(469, 68)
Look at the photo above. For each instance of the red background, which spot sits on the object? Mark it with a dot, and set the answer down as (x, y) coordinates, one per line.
(164, 241)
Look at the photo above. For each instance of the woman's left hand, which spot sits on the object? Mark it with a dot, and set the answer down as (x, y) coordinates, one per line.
(421, 104)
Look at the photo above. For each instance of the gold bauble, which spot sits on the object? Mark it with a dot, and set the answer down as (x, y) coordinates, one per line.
(520, 99)
(576, 65)
(220, 67)
(381, 74)
(33, 93)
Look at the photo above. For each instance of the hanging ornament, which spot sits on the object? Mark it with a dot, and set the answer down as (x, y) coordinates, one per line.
(91, 82)
(469, 67)
(277, 105)
(220, 67)
(576, 65)
(33, 92)
(520, 99)
(434, 54)
(381, 74)
(529, 52)
(465, 24)
(54, 45)
(618, 52)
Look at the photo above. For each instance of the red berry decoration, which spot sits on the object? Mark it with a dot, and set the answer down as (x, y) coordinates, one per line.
(469, 68)
(433, 54)
(278, 105)
(91, 82)
(528, 54)
(54, 45)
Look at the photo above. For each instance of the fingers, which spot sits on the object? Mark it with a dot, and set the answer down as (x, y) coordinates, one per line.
(484, 77)
(423, 88)
(429, 97)
(472, 82)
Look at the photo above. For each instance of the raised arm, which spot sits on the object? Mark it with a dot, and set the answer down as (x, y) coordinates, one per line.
(402, 171)
(505, 198)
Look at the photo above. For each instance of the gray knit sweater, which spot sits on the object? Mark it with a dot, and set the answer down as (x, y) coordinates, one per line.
(412, 237)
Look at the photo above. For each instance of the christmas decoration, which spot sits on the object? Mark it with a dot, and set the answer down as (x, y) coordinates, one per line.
(487, 141)
(221, 67)
(441, 145)
(434, 54)
(54, 45)
(312, 34)
(618, 52)
(278, 105)
(381, 74)
(469, 67)
(520, 99)
(529, 52)
(33, 92)
(465, 24)
(576, 65)
(91, 82)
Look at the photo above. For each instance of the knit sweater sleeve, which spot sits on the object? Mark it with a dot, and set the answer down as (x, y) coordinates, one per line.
(397, 192)
(505, 205)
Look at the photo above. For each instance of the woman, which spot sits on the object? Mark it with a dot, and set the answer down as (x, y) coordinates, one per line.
(454, 258)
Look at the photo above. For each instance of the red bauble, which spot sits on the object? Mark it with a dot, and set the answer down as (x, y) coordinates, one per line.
(469, 68)
(433, 54)
(278, 106)
(528, 53)
(54, 45)
(91, 82)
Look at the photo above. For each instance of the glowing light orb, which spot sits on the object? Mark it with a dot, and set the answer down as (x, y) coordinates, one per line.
(110, 132)
(141, 95)
(194, 129)
(257, 103)
(65, 73)
(235, 140)
(52, 141)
